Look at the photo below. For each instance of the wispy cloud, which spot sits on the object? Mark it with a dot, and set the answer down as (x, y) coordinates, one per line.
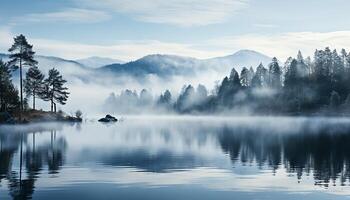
(286, 44)
(177, 12)
(121, 49)
(69, 15)
(265, 25)
(279, 45)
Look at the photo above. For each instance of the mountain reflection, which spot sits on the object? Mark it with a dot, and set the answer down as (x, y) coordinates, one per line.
(321, 152)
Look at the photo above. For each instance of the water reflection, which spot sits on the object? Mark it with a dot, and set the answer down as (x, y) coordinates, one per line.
(19, 147)
(207, 148)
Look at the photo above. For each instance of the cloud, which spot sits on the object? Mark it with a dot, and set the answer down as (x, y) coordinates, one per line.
(124, 50)
(70, 15)
(176, 12)
(265, 25)
(280, 45)
(286, 44)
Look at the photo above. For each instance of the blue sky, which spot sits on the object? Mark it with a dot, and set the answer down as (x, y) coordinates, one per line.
(127, 30)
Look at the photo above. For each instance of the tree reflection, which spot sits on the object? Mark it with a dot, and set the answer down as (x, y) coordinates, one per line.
(31, 160)
(326, 153)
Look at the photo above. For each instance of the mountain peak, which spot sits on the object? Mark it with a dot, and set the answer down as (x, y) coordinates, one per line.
(96, 61)
(247, 51)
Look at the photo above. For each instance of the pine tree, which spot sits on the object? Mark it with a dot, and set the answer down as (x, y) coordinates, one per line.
(33, 84)
(260, 78)
(291, 79)
(245, 77)
(165, 99)
(54, 90)
(8, 94)
(275, 73)
(302, 68)
(146, 97)
(344, 56)
(251, 75)
(22, 54)
(224, 87)
(186, 99)
(337, 75)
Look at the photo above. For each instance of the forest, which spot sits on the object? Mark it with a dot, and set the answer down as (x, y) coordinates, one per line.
(299, 86)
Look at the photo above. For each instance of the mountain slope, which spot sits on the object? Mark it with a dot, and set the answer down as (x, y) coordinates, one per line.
(167, 65)
(68, 68)
(157, 65)
(242, 58)
(161, 65)
(96, 62)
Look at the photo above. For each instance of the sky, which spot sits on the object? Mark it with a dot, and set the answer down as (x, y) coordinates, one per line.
(128, 30)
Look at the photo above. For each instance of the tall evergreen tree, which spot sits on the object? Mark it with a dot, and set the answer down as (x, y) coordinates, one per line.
(275, 73)
(8, 94)
(33, 84)
(260, 78)
(245, 82)
(54, 90)
(286, 68)
(337, 75)
(186, 99)
(251, 75)
(146, 97)
(344, 56)
(165, 99)
(201, 92)
(302, 67)
(21, 54)
(322, 78)
(291, 75)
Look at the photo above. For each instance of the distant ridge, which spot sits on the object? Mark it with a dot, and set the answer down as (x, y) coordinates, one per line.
(96, 62)
(167, 65)
(160, 65)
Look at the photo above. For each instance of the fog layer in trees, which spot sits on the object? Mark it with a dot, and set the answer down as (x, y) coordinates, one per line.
(318, 85)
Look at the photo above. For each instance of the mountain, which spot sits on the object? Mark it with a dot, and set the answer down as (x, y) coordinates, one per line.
(240, 59)
(96, 62)
(168, 65)
(157, 65)
(161, 65)
(68, 68)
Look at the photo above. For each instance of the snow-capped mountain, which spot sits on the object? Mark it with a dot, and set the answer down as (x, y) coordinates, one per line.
(96, 62)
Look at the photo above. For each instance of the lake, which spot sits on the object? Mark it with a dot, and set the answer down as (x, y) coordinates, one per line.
(178, 158)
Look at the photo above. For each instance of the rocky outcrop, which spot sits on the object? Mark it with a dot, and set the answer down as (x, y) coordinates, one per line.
(108, 118)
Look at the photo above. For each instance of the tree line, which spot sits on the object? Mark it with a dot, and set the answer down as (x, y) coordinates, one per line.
(35, 85)
(300, 85)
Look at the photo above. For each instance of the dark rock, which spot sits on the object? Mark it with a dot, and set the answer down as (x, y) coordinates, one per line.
(103, 120)
(108, 118)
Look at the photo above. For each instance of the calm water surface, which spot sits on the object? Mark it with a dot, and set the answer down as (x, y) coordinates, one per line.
(178, 158)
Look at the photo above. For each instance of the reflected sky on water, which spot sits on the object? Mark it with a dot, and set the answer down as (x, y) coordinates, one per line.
(178, 158)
